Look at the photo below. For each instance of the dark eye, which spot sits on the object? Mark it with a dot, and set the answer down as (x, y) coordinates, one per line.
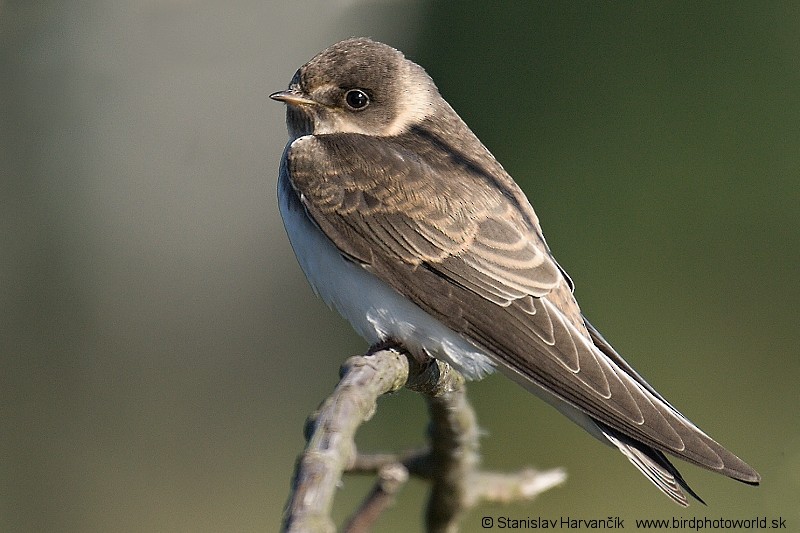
(356, 99)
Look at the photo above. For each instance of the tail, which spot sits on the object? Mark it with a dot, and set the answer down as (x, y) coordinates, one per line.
(651, 461)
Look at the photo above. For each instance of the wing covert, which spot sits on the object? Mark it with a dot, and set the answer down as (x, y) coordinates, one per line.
(475, 235)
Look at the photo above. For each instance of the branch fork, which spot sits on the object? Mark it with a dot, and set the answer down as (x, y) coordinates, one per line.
(450, 463)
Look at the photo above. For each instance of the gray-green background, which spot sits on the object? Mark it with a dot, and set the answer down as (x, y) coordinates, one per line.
(159, 346)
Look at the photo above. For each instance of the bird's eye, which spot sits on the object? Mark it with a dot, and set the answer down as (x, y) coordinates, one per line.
(356, 99)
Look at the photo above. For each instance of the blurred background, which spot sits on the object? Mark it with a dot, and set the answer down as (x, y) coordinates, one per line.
(161, 349)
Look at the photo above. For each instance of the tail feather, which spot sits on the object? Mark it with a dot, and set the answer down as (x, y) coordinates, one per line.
(654, 465)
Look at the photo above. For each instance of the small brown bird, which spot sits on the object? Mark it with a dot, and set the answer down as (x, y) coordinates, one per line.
(409, 227)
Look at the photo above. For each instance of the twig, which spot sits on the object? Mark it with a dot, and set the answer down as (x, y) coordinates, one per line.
(416, 461)
(496, 487)
(391, 479)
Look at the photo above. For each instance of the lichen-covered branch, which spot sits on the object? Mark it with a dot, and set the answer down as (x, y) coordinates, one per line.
(454, 434)
(330, 433)
(450, 462)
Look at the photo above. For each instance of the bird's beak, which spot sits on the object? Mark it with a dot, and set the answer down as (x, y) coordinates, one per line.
(292, 97)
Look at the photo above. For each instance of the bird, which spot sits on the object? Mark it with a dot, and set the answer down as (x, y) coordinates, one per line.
(407, 225)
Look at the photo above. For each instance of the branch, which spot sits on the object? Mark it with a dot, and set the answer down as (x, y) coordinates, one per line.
(450, 463)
